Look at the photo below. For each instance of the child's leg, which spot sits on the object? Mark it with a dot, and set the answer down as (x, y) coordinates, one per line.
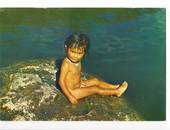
(87, 91)
(102, 84)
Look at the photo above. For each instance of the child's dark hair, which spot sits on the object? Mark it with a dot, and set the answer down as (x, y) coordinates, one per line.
(77, 41)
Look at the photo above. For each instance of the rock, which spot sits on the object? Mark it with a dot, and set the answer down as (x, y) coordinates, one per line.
(29, 93)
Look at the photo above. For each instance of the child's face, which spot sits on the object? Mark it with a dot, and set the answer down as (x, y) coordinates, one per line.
(75, 54)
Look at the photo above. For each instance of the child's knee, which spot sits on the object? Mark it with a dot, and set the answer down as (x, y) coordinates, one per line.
(96, 80)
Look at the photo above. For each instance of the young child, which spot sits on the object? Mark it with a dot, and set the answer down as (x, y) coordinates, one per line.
(70, 80)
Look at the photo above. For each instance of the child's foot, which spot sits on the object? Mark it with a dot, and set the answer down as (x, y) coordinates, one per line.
(122, 88)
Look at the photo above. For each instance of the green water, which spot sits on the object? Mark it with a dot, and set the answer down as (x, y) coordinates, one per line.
(126, 44)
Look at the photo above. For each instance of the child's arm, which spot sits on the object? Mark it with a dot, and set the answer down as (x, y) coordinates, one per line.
(63, 74)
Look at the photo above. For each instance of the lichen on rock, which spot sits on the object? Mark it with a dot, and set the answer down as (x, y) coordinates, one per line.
(29, 93)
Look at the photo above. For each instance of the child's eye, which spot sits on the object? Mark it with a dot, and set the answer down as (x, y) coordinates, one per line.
(73, 51)
(76, 52)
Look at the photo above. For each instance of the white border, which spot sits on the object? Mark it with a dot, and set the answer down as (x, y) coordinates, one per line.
(92, 125)
(83, 3)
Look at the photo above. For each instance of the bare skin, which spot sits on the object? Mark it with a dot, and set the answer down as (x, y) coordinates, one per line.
(75, 88)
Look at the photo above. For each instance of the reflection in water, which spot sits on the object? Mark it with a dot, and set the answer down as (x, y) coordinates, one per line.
(130, 43)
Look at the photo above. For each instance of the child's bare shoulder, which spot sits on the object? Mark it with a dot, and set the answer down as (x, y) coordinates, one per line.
(65, 63)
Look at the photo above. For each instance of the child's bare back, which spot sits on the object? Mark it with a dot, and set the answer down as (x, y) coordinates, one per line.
(70, 76)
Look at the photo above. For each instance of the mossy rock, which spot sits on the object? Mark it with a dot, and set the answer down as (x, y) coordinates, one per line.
(29, 93)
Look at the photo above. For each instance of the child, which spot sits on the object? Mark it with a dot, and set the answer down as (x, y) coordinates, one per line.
(70, 80)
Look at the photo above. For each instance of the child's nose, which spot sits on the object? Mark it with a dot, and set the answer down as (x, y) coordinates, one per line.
(77, 55)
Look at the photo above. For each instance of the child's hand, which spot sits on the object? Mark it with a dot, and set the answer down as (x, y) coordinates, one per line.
(73, 100)
(83, 84)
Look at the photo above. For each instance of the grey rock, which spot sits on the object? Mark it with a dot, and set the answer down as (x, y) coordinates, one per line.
(29, 93)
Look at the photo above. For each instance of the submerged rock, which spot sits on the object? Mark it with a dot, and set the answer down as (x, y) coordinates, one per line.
(28, 92)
